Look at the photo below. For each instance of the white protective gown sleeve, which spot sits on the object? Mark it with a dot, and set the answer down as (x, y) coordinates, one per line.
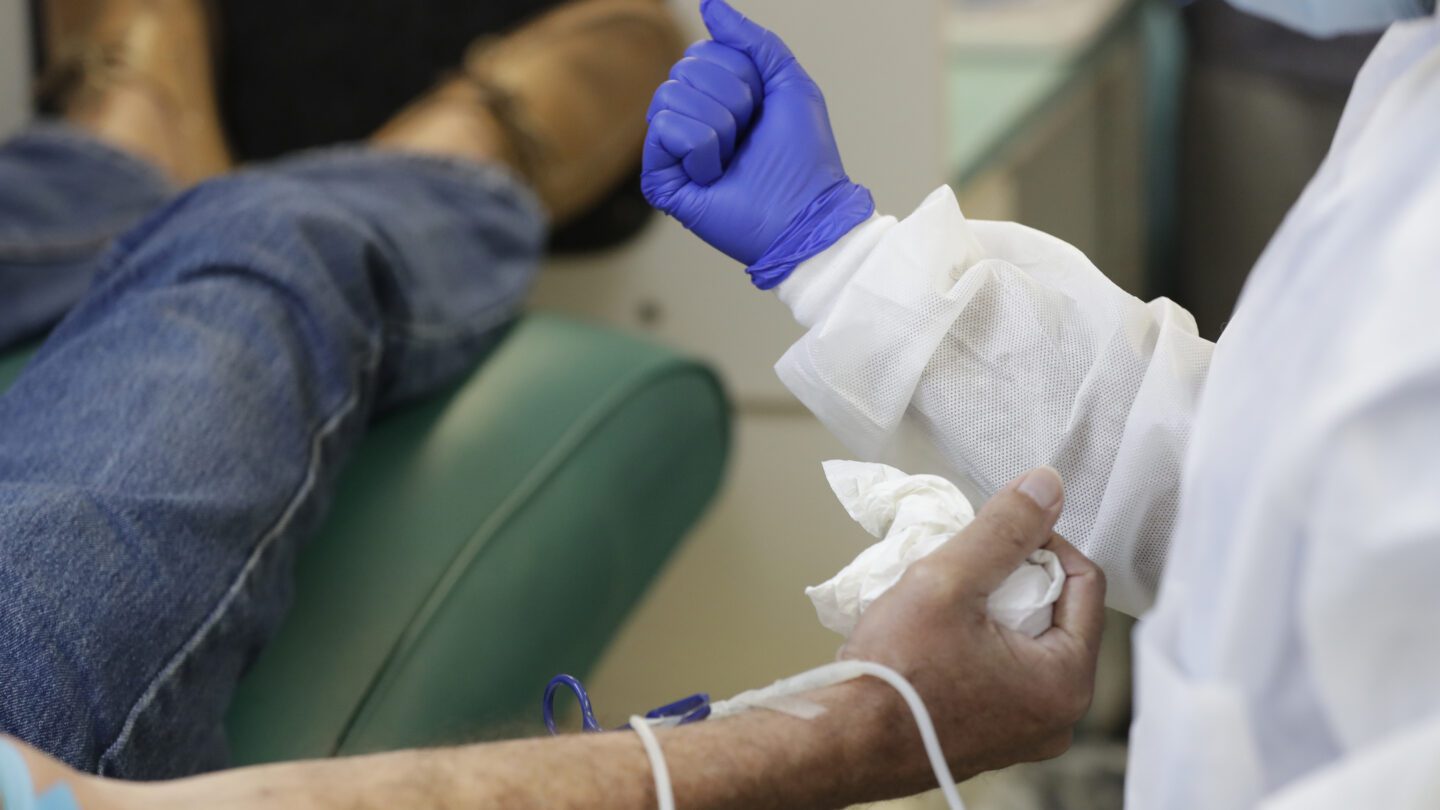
(1005, 349)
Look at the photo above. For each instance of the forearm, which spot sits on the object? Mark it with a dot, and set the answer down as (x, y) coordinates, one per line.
(993, 698)
(755, 761)
(864, 748)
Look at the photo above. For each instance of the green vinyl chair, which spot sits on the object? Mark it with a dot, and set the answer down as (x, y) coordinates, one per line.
(483, 541)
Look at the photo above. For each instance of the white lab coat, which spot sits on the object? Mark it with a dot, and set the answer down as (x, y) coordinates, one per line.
(1292, 659)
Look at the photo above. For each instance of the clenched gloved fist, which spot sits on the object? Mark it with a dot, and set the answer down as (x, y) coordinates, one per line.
(741, 152)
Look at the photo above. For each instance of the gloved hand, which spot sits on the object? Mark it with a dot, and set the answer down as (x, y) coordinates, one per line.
(741, 152)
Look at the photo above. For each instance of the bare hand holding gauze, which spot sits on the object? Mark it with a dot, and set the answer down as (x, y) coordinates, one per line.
(914, 515)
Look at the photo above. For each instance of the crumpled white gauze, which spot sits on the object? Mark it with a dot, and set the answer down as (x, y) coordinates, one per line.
(913, 515)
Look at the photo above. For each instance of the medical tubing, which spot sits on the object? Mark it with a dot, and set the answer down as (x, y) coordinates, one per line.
(838, 673)
(922, 719)
(664, 792)
(825, 221)
(587, 711)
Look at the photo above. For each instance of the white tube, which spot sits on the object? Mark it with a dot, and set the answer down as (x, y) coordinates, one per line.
(840, 672)
(664, 792)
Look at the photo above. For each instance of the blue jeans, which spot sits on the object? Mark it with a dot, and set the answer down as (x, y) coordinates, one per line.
(178, 435)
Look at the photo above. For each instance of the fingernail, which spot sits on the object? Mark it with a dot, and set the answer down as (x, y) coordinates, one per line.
(1043, 486)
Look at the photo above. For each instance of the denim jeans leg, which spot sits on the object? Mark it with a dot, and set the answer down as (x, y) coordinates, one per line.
(178, 436)
(64, 197)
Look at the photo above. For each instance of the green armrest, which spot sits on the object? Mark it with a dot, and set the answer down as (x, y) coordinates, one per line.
(484, 541)
(10, 366)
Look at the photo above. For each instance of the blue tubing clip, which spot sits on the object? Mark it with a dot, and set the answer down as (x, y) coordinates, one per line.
(682, 712)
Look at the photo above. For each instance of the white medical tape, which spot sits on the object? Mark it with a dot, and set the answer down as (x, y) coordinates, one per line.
(838, 673)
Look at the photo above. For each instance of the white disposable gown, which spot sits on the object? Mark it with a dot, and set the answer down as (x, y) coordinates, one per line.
(1286, 480)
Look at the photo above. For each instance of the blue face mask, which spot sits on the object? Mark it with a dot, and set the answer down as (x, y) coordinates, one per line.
(1328, 18)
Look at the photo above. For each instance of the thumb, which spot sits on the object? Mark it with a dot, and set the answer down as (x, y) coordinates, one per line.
(1015, 523)
(729, 27)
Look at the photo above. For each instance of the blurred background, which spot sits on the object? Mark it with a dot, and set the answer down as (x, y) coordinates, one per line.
(1166, 143)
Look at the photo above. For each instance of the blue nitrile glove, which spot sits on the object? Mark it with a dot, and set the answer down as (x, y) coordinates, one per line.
(741, 152)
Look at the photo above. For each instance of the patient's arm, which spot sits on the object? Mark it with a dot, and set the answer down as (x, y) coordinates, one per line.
(756, 761)
(996, 697)
(1003, 348)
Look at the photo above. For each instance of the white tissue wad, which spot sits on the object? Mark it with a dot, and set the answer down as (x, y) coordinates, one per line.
(913, 515)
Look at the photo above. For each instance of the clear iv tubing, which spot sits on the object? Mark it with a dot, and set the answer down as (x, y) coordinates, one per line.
(780, 696)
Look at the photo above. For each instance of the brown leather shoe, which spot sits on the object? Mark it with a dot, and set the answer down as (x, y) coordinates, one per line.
(140, 75)
(562, 99)
(65, 21)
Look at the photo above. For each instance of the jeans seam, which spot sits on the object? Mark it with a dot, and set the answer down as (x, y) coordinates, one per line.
(267, 540)
(481, 319)
(14, 252)
(136, 170)
(98, 150)
(493, 176)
